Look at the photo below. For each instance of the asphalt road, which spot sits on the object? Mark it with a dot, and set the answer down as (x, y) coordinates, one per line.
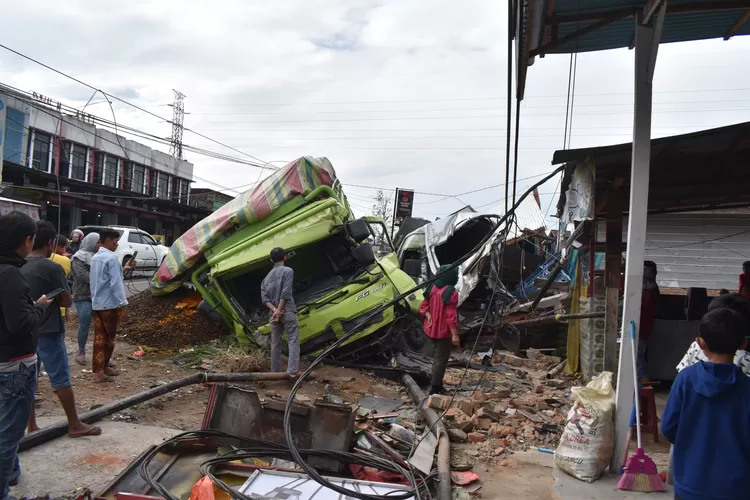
(135, 286)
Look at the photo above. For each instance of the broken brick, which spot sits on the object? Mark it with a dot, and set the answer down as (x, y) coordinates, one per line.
(508, 359)
(499, 451)
(479, 397)
(465, 405)
(538, 386)
(475, 420)
(476, 437)
(553, 360)
(499, 393)
(457, 435)
(553, 382)
(484, 423)
(437, 402)
(497, 430)
(487, 413)
(532, 353)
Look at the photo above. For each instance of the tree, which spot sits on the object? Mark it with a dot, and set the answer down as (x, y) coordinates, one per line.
(383, 208)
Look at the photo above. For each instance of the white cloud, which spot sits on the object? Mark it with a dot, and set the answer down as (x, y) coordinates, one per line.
(394, 93)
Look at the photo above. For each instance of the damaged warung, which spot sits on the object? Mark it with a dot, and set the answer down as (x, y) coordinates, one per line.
(443, 242)
(339, 282)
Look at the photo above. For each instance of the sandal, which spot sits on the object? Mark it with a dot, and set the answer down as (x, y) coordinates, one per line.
(110, 372)
(103, 380)
(92, 431)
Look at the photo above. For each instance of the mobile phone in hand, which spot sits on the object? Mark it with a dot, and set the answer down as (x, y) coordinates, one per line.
(135, 254)
(54, 293)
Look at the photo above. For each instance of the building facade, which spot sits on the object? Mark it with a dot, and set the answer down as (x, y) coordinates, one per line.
(82, 174)
(208, 199)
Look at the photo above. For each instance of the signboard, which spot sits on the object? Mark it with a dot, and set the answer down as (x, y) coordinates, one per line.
(2, 134)
(404, 205)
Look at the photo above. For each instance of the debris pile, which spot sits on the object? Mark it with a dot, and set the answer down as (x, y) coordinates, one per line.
(171, 321)
(520, 405)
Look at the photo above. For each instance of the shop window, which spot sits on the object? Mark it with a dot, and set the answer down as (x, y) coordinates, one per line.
(40, 151)
(138, 182)
(64, 158)
(13, 135)
(110, 171)
(184, 190)
(162, 185)
(99, 169)
(78, 155)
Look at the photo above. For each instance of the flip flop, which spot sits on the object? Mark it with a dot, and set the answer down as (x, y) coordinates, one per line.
(104, 380)
(112, 372)
(93, 431)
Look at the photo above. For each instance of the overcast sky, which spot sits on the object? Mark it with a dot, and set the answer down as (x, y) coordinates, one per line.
(407, 93)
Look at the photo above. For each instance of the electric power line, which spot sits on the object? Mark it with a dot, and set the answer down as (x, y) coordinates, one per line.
(107, 95)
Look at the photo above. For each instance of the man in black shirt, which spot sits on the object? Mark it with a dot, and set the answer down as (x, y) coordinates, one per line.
(45, 276)
(19, 317)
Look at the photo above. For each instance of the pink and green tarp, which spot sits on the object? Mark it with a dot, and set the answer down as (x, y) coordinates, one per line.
(297, 178)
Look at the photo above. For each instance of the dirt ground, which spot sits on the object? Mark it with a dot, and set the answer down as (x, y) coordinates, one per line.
(184, 409)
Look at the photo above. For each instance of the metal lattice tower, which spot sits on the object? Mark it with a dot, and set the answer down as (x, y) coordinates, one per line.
(178, 118)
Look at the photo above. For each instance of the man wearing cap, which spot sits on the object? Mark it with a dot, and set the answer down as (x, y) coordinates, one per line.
(276, 294)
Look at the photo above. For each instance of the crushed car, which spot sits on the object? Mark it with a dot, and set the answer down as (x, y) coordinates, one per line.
(485, 277)
(339, 280)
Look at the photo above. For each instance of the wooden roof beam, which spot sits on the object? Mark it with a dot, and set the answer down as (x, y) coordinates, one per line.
(737, 25)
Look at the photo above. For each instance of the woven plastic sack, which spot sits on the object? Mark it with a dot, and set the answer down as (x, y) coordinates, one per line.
(587, 442)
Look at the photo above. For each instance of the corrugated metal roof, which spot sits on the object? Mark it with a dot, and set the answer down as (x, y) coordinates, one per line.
(686, 20)
(697, 249)
(550, 26)
(697, 171)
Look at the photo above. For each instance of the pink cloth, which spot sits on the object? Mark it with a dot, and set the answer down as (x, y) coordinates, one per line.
(444, 316)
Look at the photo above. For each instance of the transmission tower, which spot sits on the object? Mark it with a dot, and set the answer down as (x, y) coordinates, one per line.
(178, 119)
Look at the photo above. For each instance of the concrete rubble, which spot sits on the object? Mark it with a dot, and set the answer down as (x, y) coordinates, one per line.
(522, 410)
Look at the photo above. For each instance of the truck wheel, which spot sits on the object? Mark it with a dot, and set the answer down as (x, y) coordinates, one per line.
(410, 336)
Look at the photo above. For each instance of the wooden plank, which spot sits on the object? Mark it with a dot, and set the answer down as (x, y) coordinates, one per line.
(613, 268)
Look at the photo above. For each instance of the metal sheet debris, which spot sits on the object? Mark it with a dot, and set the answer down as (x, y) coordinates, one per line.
(380, 405)
(289, 486)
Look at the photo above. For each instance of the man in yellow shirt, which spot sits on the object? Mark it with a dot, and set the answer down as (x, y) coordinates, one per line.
(59, 258)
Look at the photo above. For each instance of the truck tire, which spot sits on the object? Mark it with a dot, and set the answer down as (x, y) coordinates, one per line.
(410, 336)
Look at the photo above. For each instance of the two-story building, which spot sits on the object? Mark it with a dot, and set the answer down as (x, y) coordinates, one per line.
(83, 174)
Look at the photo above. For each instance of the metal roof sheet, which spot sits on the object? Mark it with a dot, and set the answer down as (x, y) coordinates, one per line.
(571, 26)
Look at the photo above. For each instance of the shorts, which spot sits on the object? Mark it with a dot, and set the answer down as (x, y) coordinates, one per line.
(53, 353)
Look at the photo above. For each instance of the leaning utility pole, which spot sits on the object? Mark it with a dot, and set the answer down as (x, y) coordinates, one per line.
(178, 118)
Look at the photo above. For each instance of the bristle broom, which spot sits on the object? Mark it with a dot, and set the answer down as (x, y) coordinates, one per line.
(640, 474)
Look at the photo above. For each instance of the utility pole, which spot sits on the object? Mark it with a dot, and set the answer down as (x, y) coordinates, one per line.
(178, 119)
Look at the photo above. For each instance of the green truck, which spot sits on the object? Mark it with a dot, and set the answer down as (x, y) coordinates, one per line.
(338, 279)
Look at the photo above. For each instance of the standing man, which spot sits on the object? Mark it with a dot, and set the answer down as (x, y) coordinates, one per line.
(44, 276)
(649, 307)
(108, 302)
(58, 257)
(19, 319)
(276, 294)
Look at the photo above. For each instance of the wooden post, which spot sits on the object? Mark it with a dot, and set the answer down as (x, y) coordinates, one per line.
(613, 269)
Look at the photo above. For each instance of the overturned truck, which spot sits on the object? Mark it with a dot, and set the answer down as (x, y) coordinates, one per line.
(339, 281)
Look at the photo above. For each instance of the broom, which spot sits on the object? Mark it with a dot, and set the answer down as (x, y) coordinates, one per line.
(639, 473)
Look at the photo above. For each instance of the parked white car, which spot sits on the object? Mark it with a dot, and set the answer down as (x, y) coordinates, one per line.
(150, 252)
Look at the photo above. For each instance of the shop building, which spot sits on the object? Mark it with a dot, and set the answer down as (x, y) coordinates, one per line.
(80, 173)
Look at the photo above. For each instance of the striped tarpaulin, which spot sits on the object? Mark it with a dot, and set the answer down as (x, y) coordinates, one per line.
(298, 177)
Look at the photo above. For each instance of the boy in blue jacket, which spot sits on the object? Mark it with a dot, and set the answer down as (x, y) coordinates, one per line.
(707, 415)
